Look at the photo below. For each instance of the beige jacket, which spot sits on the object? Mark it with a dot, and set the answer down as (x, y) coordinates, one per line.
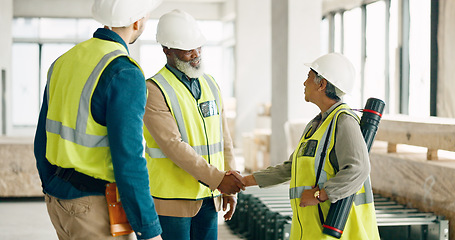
(162, 126)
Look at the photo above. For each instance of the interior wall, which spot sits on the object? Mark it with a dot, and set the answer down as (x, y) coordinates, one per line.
(295, 41)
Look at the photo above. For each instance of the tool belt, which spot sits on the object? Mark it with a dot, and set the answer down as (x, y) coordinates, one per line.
(117, 216)
(81, 181)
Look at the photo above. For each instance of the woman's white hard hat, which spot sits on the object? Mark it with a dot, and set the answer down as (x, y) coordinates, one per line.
(121, 13)
(337, 69)
(178, 29)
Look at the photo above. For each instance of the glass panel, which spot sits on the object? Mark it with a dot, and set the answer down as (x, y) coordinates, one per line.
(374, 81)
(25, 27)
(324, 36)
(419, 58)
(228, 30)
(213, 61)
(152, 59)
(25, 97)
(338, 33)
(86, 28)
(60, 28)
(227, 79)
(394, 56)
(212, 30)
(49, 53)
(352, 50)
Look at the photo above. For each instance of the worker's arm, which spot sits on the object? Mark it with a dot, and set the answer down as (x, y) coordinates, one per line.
(45, 169)
(274, 174)
(125, 97)
(270, 176)
(351, 155)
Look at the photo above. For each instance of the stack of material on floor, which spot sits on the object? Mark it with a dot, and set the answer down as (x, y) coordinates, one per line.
(265, 214)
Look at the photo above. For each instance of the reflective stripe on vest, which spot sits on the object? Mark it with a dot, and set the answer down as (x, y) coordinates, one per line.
(78, 134)
(360, 198)
(201, 150)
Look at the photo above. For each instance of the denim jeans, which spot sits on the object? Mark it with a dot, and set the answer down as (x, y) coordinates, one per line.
(203, 226)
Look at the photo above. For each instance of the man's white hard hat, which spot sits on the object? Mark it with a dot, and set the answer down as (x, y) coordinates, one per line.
(178, 29)
(121, 13)
(337, 69)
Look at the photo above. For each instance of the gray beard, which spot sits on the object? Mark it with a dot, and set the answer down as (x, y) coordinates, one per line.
(190, 71)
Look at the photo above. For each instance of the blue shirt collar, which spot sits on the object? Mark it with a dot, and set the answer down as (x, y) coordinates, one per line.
(109, 35)
(179, 74)
(192, 84)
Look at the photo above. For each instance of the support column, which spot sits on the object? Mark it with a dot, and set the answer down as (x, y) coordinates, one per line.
(295, 41)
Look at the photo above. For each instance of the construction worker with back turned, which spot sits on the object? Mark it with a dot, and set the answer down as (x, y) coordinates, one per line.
(330, 161)
(89, 131)
(188, 143)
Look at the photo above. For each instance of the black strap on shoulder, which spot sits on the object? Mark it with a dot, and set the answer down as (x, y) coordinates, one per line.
(321, 163)
(81, 181)
(323, 153)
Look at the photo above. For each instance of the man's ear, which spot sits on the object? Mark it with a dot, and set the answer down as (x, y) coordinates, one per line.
(137, 24)
(167, 51)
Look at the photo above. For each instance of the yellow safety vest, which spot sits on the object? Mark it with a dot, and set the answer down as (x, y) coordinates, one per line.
(199, 123)
(306, 224)
(74, 138)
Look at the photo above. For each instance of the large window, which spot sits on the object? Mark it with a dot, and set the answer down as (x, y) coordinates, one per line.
(388, 41)
(37, 42)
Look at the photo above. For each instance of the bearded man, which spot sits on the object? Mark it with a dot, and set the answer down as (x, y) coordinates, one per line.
(189, 148)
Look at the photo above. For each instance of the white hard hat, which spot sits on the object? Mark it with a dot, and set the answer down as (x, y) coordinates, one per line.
(121, 13)
(178, 29)
(337, 69)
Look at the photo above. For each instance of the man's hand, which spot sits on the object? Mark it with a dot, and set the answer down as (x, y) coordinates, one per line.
(230, 185)
(247, 181)
(232, 201)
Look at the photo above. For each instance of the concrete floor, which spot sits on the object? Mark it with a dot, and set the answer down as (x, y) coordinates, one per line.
(27, 219)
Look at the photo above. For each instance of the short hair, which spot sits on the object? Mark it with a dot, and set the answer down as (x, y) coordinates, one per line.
(330, 89)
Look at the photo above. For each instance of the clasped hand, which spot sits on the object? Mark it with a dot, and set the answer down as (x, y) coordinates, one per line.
(232, 183)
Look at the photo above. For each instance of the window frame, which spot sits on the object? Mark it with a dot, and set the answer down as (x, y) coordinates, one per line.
(403, 64)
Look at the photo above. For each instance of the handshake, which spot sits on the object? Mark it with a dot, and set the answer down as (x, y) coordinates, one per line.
(233, 182)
